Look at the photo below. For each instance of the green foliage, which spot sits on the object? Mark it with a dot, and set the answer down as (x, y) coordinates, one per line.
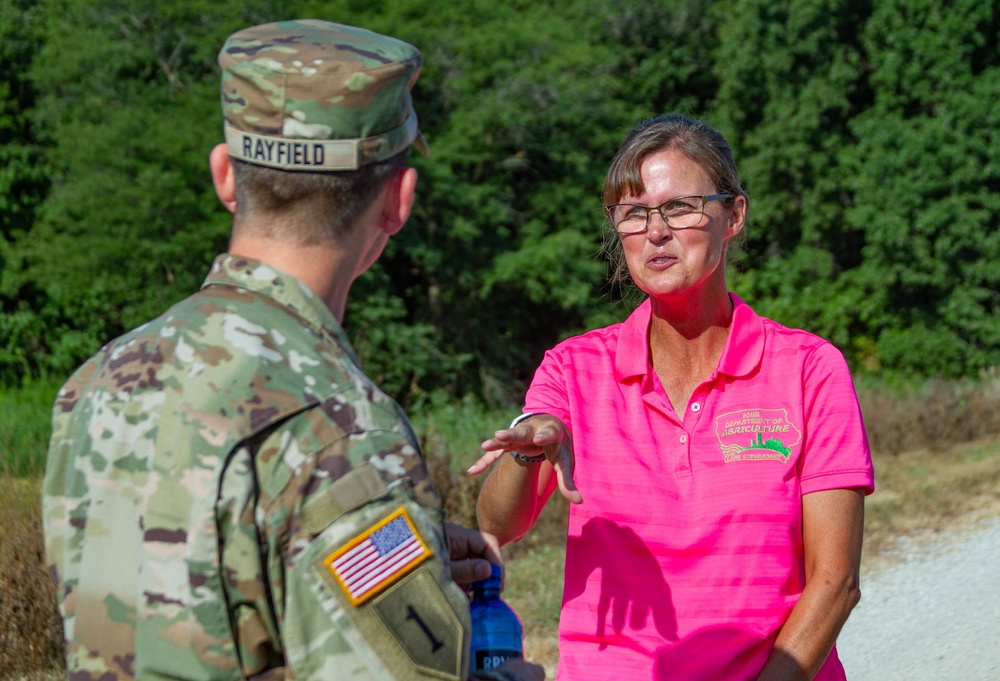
(523, 105)
(865, 133)
(791, 79)
(22, 180)
(925, 181)
(457, 427)
(130, 222)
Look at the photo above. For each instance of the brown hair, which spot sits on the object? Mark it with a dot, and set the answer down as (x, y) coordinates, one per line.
(326, 204)
(696, 139)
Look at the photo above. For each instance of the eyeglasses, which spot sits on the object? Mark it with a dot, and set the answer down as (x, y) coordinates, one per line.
(683, 212)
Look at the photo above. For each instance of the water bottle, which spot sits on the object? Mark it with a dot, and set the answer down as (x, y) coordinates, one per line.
(497, 634)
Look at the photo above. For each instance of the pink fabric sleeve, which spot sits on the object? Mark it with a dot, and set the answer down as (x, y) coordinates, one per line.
(838, 454)
(548, 391)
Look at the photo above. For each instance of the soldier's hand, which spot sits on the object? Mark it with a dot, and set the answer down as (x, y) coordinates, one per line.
(527, 671)
(471, 553)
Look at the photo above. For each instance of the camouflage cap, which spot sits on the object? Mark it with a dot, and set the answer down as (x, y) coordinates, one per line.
(316, 96)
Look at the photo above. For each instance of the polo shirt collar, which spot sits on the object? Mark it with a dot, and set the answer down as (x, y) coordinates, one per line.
(632, 353)
(741, 355)
(745, 345)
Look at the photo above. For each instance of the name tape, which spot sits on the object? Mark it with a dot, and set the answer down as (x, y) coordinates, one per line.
(290, 154)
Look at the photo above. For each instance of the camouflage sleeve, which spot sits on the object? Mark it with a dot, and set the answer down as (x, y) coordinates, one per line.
(355, 556)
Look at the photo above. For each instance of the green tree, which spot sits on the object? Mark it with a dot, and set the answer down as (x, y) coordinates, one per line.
(524, 104)
(792, 77)
(23, 180)
(924, 177)
(864, 132)
(129, 101)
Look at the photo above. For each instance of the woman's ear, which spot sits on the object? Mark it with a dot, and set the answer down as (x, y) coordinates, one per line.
(737, 215)
(222, 176)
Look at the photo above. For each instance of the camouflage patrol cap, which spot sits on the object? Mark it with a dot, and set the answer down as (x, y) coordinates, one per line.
(317, 96)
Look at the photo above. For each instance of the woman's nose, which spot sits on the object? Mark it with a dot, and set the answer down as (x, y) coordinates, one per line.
(657, 229)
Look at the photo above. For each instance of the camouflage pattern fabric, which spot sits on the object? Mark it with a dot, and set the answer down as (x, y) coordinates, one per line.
(205, 472)
(313, 95)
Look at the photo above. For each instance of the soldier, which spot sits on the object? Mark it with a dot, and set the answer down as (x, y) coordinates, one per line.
(227, 495)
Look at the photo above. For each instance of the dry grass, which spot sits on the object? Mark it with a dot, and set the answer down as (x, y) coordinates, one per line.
(923, 494)
(30, 632)
(534, 590)
(934, 416)
(534, 569)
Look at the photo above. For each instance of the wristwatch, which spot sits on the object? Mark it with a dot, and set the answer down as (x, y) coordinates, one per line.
(537, 458)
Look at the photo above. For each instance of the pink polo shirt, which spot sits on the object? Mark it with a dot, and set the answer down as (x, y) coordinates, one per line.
(686, 556)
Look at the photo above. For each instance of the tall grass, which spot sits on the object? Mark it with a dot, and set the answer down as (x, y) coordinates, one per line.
(456, 428)
(25, 427)
(450, 435)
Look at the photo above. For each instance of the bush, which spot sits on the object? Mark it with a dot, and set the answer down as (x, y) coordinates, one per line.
(936, 414)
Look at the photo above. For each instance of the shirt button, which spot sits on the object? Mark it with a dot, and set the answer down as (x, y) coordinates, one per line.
(684, 439)
(696, 407)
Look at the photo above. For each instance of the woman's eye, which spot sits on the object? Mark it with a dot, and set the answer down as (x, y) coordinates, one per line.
(633, 212)
(679, 206)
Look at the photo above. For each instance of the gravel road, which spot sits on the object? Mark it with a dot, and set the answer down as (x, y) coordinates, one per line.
(933, 615)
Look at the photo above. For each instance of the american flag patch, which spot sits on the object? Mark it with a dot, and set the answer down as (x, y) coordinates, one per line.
(377, 558)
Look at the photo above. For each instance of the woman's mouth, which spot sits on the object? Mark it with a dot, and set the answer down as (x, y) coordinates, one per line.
(660, 261)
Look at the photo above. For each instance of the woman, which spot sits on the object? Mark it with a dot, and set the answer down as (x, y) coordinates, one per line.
(722, 456)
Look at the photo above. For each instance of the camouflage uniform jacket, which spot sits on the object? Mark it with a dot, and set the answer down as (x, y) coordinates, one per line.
(228, 496)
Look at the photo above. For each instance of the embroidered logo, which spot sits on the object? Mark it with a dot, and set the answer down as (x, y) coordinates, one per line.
(756, 434)
(378, 557)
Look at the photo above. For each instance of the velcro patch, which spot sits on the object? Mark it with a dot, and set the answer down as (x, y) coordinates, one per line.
(352, 490)
(380, 556)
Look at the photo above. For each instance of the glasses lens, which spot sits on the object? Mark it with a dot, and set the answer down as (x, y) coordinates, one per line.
(685, 211)
(628, 218)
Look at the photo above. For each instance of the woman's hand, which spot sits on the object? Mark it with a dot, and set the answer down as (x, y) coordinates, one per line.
(538, 434)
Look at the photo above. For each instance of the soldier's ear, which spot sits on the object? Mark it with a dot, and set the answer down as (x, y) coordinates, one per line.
(398, 197)
(222, 176)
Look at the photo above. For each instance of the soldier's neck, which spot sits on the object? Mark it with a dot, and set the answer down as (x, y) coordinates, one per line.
(326, 269)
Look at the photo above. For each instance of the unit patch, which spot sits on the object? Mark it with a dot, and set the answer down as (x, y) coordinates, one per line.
(425, 626)
(378, 558)
(756, 434)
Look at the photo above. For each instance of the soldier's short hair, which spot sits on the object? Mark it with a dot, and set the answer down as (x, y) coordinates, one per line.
(326, 204)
